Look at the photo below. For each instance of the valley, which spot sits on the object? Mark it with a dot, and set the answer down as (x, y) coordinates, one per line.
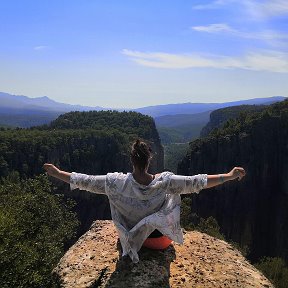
(252, 213)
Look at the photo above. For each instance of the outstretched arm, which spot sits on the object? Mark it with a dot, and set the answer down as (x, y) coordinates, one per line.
(179, 184)
(57, 173)
(92, 183)
(215, 180)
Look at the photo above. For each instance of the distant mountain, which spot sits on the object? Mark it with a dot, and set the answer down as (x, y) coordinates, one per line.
(26, 118)
(183, 128)
(182, 119)
(23, 111)
(193, 108)
(9, 101)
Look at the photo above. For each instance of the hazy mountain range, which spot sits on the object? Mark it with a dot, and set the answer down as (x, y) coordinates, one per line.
(23, 111)
(40, 103)
(193, 108)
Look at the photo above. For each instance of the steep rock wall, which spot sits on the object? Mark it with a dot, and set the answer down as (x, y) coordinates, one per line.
(252, 212)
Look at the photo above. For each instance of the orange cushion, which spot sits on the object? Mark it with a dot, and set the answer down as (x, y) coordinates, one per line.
(158, 243)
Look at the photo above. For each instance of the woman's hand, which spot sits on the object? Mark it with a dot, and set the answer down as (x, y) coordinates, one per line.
(237, 172)
(51, 169)
(215, 180)
(57, 173)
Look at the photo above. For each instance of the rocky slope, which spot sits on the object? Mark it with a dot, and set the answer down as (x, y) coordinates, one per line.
(203, 261)
(252, 212)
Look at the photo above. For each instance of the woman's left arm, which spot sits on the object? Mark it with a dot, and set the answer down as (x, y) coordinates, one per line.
(215, 180)
(179, 184)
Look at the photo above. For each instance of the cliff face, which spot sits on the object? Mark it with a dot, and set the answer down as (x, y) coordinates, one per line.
(220, 116)
(252, 212)
(203, 261)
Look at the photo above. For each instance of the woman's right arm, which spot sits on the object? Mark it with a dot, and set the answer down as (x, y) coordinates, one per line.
(57, 173)
(92, 183)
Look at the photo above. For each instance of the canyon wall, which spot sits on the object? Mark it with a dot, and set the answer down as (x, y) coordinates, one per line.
(253, 212)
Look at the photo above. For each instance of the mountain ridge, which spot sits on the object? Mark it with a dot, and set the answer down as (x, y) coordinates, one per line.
(23, 111)
(183, 108)
(42, 103)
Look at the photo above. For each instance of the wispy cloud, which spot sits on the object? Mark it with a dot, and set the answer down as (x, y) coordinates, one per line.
(212, 5)
(37, 48)
(266, 9)
(214, 28)
(222, 28)
(256, 8)
(271, 61)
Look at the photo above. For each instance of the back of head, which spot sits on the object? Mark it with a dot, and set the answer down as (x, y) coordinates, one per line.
(140, 154)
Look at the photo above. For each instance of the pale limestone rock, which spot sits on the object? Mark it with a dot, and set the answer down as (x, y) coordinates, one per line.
(203, 261)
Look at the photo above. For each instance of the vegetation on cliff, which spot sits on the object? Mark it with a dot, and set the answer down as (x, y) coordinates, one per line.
(130, 123)
(275, 269)
(26, 150)
(220, 116)
(191, 221)
(247, 120)
(173, 153)
(92, 142)
(35, 226)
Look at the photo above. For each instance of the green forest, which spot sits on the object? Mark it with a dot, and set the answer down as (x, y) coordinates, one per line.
(36, 227)
(87, 141)
(219, 117)
(247, 119)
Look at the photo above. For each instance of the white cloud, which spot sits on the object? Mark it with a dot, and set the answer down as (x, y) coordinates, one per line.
(214, 28)
(272, 37)
(266, 9)
(37, 48)
(271, 61)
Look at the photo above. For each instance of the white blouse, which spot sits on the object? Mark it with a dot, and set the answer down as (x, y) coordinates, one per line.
(136, 209)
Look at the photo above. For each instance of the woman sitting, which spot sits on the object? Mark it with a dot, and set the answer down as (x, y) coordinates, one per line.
(145, 208)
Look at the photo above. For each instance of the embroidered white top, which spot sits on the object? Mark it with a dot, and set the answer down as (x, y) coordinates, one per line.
(136, 209)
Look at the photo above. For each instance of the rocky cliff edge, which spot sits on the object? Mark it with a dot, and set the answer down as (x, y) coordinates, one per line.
(203, 261)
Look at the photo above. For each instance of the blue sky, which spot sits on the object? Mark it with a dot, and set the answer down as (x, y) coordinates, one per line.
(139, 53)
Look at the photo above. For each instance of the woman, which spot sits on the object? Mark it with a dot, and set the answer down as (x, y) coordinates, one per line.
(145, 208)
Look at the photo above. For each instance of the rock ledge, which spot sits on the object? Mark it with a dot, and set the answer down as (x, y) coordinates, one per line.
(203, 261)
